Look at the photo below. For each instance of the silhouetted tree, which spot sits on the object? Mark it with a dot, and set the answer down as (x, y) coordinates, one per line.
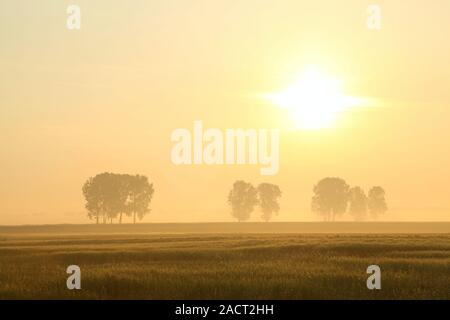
(92, 194)
(123, 185)
(139, 196)
(101, 196)
(268, 195)
(109, 195)
(242, 199)
(357, 204)
(376, 202)
(116, 195)
(330, 198)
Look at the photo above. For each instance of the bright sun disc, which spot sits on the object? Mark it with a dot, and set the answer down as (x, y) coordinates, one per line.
(314, 101)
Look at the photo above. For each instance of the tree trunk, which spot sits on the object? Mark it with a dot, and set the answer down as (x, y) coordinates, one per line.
(120, 218)
(96, 219)
(134, 217)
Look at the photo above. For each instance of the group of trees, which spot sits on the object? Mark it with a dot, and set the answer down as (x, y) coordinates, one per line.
(243, 198)
(110, 196)
(333, 197)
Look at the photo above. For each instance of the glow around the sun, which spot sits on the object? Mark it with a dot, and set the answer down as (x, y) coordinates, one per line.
(314, 100)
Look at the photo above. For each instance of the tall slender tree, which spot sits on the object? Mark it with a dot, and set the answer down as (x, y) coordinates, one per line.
(357, 204)
(268, 195)
(93, 205)
(139, 196)
(377, 202)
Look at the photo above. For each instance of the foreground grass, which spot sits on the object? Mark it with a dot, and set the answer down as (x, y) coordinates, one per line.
(225, 266)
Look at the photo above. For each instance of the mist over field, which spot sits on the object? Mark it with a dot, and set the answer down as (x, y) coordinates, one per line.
(276, 149)
(369, 105)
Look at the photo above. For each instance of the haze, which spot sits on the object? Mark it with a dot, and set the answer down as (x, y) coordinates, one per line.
(107, 97)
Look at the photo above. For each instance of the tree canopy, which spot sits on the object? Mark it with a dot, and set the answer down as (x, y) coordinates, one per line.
(108, 196)
(357, 204)
(268, 195)
(242, 199)
(330, 198)
(377, 202)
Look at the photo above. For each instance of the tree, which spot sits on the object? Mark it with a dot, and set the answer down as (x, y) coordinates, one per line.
(101, 196)
(268, 195)
(115, 195)
(123, 185)
(357, 204)
(91, 192)
(109, 195)
(139, 196)
(330, 198)
(242, 199)
(377, 202)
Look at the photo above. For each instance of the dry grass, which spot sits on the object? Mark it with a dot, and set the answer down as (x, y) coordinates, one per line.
(225, 266)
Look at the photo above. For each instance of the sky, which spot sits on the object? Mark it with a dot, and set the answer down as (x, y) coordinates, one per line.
(75, 103)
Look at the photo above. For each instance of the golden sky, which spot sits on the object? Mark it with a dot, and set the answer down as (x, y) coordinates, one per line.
(107, 97)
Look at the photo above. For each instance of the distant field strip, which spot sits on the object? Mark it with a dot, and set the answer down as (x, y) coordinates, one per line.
(233, 227)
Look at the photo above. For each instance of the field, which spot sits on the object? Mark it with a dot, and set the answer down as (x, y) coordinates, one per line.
(226, 261)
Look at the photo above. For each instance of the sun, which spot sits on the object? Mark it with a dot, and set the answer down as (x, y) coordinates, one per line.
(315, 100)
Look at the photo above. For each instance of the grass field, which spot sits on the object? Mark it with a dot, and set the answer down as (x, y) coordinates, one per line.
(141, 262)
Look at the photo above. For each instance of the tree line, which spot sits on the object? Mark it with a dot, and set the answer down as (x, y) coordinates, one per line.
(243, 198)
(110, 196)
(332, 198)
